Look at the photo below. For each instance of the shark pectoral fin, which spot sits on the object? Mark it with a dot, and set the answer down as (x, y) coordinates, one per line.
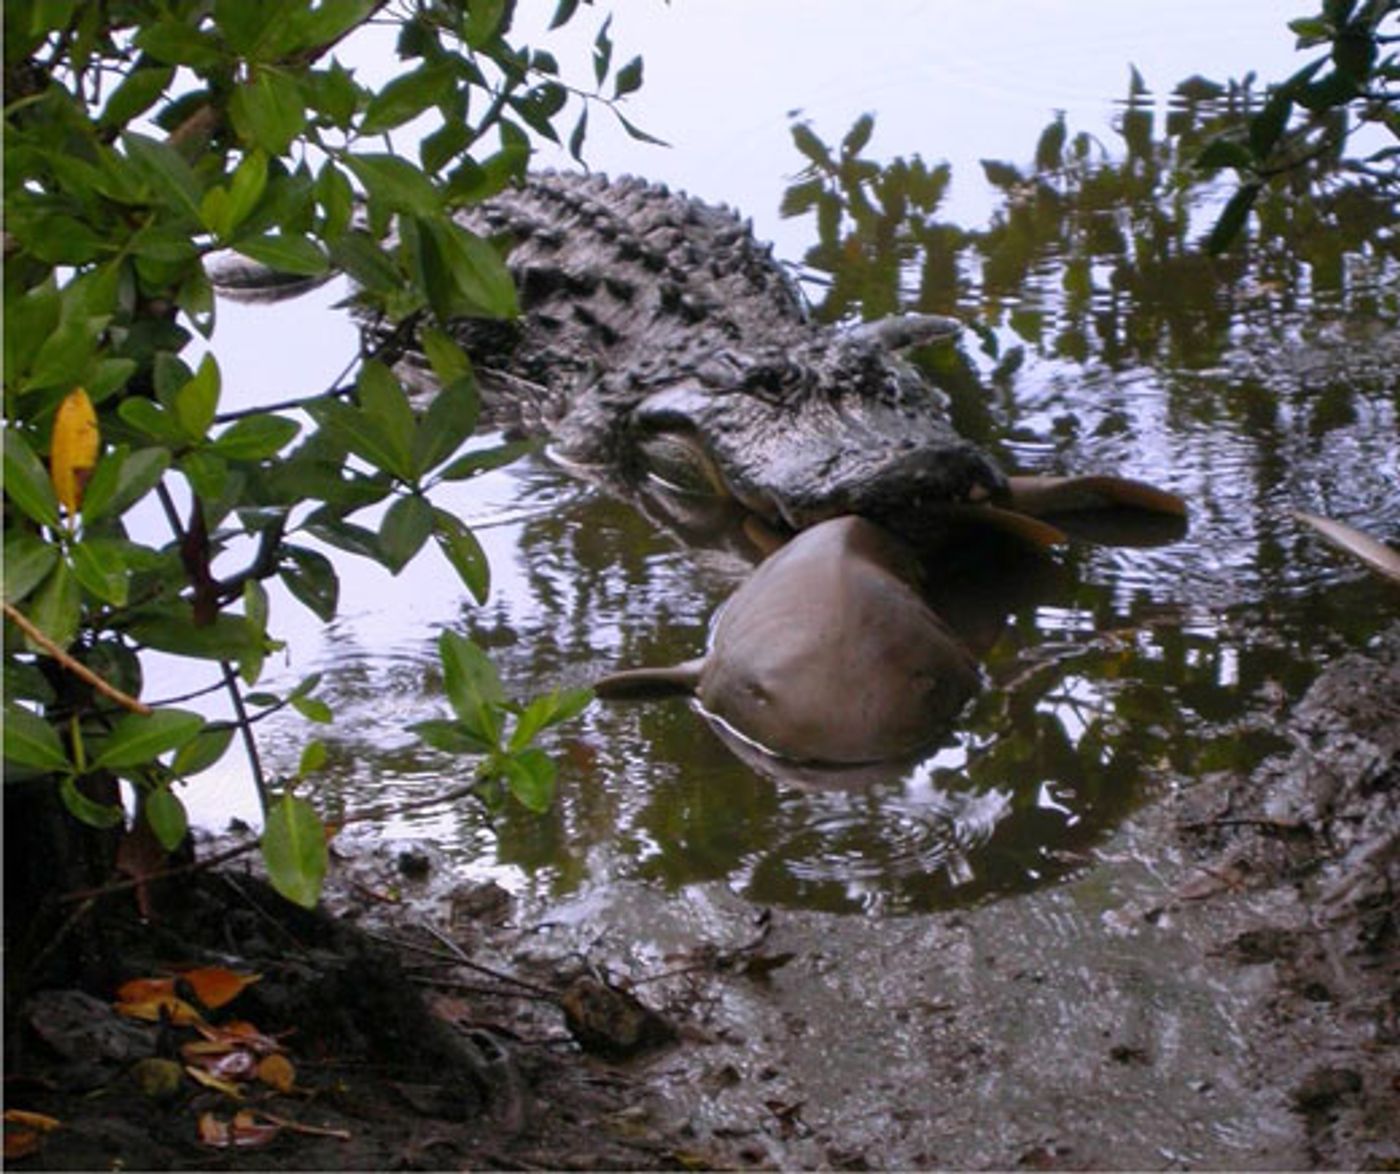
(1371, 551)
(647, 684)
(1058, 495)
(1015, 522)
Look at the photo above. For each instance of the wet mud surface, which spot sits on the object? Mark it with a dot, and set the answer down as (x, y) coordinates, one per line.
(1217, 987)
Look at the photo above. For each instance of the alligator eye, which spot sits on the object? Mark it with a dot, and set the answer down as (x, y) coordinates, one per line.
(679, 461)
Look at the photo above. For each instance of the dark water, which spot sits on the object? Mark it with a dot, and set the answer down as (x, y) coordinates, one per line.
(1114, 673)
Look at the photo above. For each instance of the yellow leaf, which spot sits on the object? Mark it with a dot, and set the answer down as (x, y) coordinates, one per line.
(277, 1072)
(73, 452)
(209, 1080)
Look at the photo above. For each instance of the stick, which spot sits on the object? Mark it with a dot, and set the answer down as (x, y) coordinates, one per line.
(79, 670)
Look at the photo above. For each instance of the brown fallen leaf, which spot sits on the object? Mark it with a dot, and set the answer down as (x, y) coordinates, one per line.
(238, 1033)
(244, 1131)
(153, 1010)
(209, 1080)
(24, 1132)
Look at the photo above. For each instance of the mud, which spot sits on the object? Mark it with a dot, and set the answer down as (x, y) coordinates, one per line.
(1217, 987)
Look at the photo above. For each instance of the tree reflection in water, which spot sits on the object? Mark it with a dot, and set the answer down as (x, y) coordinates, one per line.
(1253, 385)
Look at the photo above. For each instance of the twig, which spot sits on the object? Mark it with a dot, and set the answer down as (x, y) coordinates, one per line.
(471, 988)
(245, 729)
(499, 975)
(114, 887)
(78, 669)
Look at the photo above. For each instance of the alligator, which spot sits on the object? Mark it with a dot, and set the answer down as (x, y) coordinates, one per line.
(662, 348)
(666, 354)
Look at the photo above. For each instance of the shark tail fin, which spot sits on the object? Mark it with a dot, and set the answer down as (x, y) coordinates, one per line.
(646, 684)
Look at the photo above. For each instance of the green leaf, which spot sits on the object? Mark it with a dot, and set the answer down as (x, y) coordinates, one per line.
(312, 580)
(89, 811)
(462, 274)
(313, 709)
(255, 438)
(563, 13)
(858, 136)
(27, 482)
(406, 526)
(286, 253)
(483, 460)
(1001, 175)
(530, 775)
(31, 741)
(472, 685)
(628, 79)
(207, 474)
(313, 758)
(138, 739)
(56, 608)
(149, 417)
(637, 133)
(229, 637)
(445, 355)
(28, 560)
(121, 479)
(577, 136)
(1224, 153)
(269, 111)
(387, 412)
(407, 96)
(177, 43)
(1232, 219)
(196, 402)
(246, 188)
(100, 568)
(450, 419)
(337, 198)
(1267, 127)
(602, 51)
(294, 850)
(804, 138)
(483, 21)
(165, 169)
(548, 710)
(166, 816)
(137, 93)
(395, 185)
(451, 737)
(461, 548)
(203, 750)
(348, 536)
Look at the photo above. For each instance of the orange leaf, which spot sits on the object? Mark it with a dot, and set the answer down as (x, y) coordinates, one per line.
(227, 1087)
(178, 1011)
(73, 450)
(277, 1072)
(216, 986)
(239, 1034)
(24, 1132)
(143, 990)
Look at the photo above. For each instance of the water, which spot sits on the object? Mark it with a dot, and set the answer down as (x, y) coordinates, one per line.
(1119, 673)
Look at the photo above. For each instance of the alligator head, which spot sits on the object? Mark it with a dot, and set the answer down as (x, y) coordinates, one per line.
(829, 424)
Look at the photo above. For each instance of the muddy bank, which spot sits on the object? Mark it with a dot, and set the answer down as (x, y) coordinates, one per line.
(1217, 988)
